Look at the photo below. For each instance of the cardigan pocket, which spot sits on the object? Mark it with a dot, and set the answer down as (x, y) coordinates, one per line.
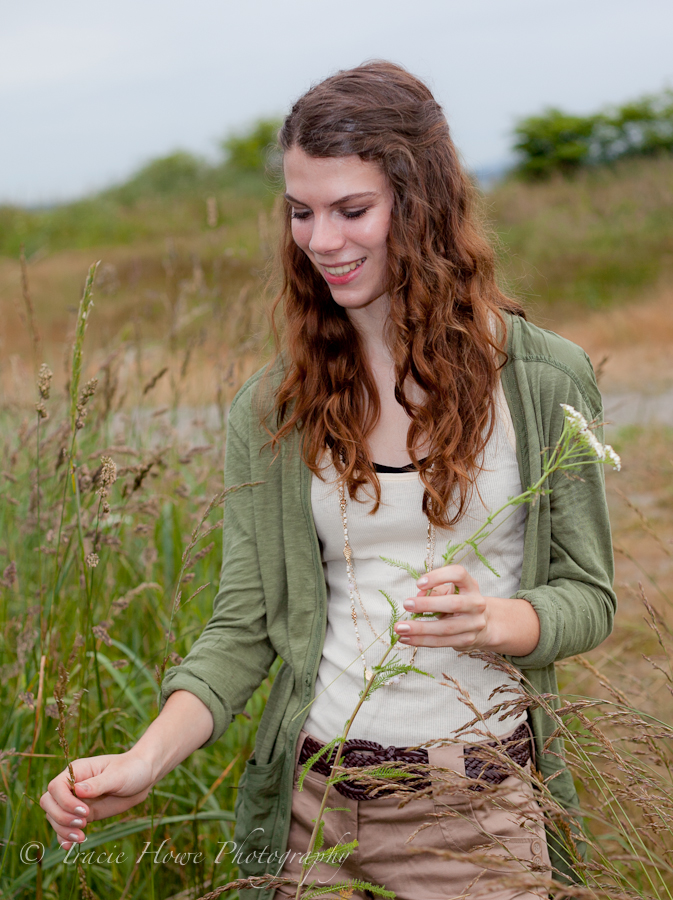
(274, 711)
(256, 810)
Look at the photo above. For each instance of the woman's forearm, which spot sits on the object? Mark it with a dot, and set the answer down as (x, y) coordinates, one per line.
(183, 725)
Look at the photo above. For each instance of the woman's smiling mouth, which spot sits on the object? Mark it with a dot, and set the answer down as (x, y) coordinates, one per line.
(345, 268)
(343, 274)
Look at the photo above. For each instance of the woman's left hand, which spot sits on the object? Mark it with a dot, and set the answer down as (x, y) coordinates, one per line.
(466, 619)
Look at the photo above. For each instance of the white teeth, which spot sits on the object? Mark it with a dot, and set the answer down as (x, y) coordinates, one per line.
(342, 270)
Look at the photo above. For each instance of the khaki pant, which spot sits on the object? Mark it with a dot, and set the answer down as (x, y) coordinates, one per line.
(507, 829)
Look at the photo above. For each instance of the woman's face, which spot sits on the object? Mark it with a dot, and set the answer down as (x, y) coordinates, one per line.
(341, 210)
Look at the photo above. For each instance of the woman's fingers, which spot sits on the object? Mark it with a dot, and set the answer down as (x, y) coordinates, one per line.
(69, 834)
(456, 575)
(113, 805)
(110, 784)
(441, 589)
(454, 597)
(60, 790)
(445, 604)
(61, 817)
(465, 641)
(455, 631)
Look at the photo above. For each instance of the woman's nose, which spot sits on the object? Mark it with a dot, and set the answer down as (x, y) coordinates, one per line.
(326, 236)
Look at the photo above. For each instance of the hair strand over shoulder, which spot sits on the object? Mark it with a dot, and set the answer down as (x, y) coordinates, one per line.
(445, 304)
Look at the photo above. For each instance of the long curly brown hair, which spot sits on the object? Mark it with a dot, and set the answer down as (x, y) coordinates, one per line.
(444, 299)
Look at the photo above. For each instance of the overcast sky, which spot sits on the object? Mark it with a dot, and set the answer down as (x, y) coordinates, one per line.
(90, 90)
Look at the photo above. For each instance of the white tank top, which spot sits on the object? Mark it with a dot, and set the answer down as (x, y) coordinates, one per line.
(417, 708)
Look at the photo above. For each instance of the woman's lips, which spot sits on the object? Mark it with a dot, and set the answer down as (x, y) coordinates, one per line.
(342, 279)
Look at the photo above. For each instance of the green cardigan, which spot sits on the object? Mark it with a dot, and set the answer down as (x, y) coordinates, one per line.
(272, 596)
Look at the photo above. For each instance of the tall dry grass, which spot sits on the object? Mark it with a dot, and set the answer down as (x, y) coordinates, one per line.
(109, 559)
(603, 237)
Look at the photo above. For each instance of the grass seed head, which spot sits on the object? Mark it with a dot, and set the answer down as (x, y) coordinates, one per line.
(106, 477)
(44, 381)
(86, 394)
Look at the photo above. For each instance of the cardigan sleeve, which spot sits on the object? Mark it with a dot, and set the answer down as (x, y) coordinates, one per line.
(576, 604)
(233, 655)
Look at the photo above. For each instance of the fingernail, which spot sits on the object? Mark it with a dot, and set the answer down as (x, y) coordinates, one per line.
(73, 836)
(77, 823)
(410, 604)
(422, 581)
(401, 628)
(80, 810)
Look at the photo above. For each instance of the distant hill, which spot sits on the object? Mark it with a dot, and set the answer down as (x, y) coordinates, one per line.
(600, 237)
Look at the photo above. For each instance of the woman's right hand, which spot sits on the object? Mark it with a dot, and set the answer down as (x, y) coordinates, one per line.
(104, 786)
(110, 784)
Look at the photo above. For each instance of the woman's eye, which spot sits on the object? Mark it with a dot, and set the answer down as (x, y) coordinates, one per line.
(355, 213)
(300, 214)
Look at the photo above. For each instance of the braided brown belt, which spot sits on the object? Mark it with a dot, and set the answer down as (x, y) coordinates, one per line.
(479, 765)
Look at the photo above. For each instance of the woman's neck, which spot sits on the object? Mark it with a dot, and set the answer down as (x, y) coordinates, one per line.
(387, 442)
(371, 324)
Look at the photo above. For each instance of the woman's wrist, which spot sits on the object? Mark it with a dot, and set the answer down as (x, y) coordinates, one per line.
(513, 626)
(183, 725)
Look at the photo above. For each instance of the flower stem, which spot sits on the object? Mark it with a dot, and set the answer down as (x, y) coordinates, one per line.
(337, 760)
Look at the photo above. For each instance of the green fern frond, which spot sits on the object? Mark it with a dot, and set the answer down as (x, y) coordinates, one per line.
(332, 856)
(393, 668)
(389, 772)
(450, 552)
(319, 836)
(395, 616)
(337, 778)
(393, 606)
(398, 564)
(482, 559)
(419, 671)
(339, 890)
(313, 759)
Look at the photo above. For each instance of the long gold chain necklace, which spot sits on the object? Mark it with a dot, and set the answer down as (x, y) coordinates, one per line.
(353, 590)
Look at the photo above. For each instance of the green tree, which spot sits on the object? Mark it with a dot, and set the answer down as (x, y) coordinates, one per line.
(553, 142)
(251, 150)
(641, 127)
(172, 174)
(556, 141)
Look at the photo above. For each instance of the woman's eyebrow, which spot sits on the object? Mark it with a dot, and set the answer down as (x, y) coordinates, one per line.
(338, 202)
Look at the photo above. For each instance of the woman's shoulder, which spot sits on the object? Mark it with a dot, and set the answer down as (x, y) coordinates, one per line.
(260, 385)
(254, 402)
(528, 341)
(554, 359)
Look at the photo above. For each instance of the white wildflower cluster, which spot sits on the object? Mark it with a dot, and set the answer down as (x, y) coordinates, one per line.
(582, 431)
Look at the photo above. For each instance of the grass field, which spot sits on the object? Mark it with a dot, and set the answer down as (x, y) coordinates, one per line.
(177, 324)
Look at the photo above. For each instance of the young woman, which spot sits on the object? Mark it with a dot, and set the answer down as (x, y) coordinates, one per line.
(409, 399)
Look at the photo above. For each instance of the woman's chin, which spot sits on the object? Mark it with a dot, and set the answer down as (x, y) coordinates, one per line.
(355, 302)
